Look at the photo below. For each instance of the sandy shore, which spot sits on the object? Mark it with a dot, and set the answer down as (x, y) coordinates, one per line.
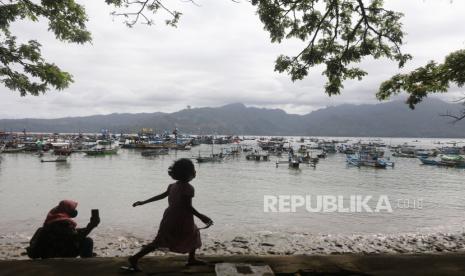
(346, 264)
(267, 243)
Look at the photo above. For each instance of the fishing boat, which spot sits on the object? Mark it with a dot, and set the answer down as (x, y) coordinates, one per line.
(183, 147)
(294, 164)
(346, 149)
(294, 161)
(13, 150)
(59, 159)
(450, 150)
(405, 151)
(368, 159)
(156, 152)
(212, 158)
(425, 153)
(308, 159)
(62, 149)
(272, 145)
(255, 156)
(101, 151)
(246, 149)
(428, 161)
(162, 145)
(328, 147)
(302, 149)
(456, 161)
(234, 151)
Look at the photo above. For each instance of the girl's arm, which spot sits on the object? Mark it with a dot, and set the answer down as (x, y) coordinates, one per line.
(208, 221)
(202, 217)
(152, 199)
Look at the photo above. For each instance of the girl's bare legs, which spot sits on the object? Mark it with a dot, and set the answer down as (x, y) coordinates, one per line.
(133, 260)
(192, 260)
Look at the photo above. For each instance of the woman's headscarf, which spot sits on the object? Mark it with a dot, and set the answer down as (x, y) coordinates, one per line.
(62, 212)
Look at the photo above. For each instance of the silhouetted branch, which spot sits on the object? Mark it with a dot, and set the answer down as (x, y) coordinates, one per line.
(455, 117)
(144, 7)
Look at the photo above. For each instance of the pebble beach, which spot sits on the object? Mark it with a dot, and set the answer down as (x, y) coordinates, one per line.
(12, 247)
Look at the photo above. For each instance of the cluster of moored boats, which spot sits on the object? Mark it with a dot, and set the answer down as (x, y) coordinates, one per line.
(290, 151)
(58, 147)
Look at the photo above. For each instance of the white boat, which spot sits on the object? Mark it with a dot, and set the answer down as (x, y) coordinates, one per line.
(60, 158)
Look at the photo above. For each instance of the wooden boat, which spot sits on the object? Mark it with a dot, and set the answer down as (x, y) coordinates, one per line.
(156, 152)
(405, 151)
(155, 146)
(13, 150)
(183, 147)
(302, 149)
(61, 158)
(456, 161)
(294, 164)
(308, 159)
(328, 147)
(101, 151)
(367, 159)
(211, 158)
(62, 149)
(427, 161)
(346, 149)
(257, 157)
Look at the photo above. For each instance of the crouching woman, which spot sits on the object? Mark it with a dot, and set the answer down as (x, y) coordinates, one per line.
(59, 236)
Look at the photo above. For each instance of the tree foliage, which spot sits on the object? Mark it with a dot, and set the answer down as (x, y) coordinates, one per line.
(22, 67)
(140, 10)
(337, 33)
(431, 78)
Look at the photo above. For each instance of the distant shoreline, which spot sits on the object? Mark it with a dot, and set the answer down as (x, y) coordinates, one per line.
(389, 119)
(240, 135)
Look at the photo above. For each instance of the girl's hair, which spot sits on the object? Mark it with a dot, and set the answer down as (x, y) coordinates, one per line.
(182, 169)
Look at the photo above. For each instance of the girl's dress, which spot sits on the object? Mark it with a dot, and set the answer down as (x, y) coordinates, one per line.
(177, 231)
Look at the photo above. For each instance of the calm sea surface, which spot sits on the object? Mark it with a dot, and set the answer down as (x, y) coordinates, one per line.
(231, 193)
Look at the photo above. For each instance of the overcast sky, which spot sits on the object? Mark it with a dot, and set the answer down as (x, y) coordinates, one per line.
(219, 54)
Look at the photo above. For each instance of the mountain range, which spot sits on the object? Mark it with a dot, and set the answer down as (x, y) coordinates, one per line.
(387, 119)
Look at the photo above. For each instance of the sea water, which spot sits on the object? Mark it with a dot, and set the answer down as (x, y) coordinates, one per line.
(232, 193)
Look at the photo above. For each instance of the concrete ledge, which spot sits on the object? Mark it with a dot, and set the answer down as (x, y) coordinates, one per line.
(347, 264)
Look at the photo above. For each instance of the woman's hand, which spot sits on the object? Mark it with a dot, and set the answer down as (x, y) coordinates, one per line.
(137, 203)
(208, 221)
(94, 222)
